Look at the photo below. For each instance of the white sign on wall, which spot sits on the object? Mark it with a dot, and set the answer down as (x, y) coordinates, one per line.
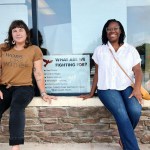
(67, 73)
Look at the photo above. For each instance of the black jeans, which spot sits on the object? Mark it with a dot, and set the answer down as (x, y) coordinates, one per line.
(16, 98)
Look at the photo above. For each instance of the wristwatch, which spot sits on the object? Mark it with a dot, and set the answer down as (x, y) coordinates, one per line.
(43, 93)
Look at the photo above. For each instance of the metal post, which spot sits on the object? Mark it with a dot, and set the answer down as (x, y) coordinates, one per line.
(35, 37)
(35, 21)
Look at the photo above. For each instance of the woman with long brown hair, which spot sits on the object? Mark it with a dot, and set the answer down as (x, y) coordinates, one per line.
(19, 59)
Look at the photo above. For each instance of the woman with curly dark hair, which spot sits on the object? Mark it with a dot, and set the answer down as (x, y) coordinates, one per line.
(113, 86)
(19, 58)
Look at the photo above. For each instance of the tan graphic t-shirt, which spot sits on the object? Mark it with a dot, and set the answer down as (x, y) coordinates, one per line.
(17, 66)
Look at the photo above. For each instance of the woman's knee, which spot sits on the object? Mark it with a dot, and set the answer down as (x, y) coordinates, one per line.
(135, 108)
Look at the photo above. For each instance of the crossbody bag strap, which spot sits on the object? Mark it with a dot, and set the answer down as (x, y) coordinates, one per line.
(120, 65)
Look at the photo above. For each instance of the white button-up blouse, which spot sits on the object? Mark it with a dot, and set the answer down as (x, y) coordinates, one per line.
(110, 76)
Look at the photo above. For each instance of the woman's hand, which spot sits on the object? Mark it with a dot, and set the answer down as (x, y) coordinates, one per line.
(85, 96)
(48, 98)
(138, 79)
(137, 94)
(1, 95)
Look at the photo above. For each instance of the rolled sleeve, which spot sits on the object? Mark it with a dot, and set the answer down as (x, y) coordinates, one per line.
(38, 54)
(95, 55)
(136, 57)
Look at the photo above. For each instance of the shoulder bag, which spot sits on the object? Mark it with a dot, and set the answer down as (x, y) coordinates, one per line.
(144, 92)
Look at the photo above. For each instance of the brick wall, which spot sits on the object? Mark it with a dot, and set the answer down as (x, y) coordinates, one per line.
(61, 124)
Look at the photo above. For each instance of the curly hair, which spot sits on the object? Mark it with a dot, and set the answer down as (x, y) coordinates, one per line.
(104, 33)
(9, 39)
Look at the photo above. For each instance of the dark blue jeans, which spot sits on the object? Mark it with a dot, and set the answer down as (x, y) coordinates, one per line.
(16, 98)
(126, 113)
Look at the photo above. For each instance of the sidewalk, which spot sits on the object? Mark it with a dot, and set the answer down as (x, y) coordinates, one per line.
(70, 146)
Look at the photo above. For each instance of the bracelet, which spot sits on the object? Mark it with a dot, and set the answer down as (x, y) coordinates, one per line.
(43, 93)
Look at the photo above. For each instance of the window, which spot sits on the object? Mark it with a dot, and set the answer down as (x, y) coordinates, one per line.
(68, 31)
(73, 27)
(71, 30)
(138, 22)
(8, 14)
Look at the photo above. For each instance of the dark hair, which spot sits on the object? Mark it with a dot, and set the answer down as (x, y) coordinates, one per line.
(17, 24)
(40, 37)
(40, 41)
(104, 33)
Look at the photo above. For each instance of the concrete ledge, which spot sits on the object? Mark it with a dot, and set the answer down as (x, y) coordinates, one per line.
(70, 119)
(73, 101)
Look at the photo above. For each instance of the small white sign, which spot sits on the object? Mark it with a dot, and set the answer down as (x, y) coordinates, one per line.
(67, 73)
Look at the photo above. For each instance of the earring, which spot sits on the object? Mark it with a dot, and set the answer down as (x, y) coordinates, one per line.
(13, 42)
